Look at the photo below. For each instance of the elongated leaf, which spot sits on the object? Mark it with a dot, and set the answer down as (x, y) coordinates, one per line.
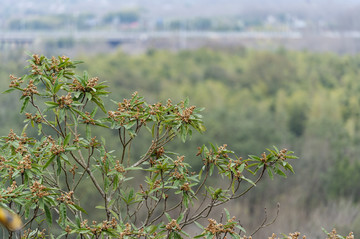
(62, 212)
(66, 140)
(8, 91)
(25, 103)
(49, 162)
(48, 214)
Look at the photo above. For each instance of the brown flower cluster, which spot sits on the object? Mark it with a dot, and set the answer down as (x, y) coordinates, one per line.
(238, 174)
(65, 100)
(128, 107)
(12, 187)
(2, 162)
(28, 233)
(66, 198)
(185, 187)
(15, 82)
(37, 118)
(294, 235)
(9, 192)
(156, 108)
(109, 224)
(221, 151)
(23, 140)
(68, 229)
(179, 161)
(38, 190)
(30, 89)
(176, 174)
(127, 231)
(76, 86)
(36, 70)
(186, 114)
(159, 152)
(217, 228)
(54, 64)
(92, 82)
(119, 167)
(209, 158)
(36, 59)
(156, 184)
(57, 149)
(282, 154)
(94, 142)
(25, 163)
(333, 235)
(173, 226)
(73, 170)
(136, 234)
(97, 229)
(12, 136)
(88, 119)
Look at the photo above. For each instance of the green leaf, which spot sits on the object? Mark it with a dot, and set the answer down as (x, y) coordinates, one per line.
(82, 114)
(8, 91)
(77, 207)
(57, 86)
(199, 225)
(25, 103)
(88, 132)
(288, 166)
(24, 128)
(270, 173)
(58, 161)
(200, 236)
(248, 180)
(88, 95)
(48, 162)
(281, 173)
(66, 140)
(99, 103)
(62, 212)
(39, 128)
(241, 228)
(48, 214)
(168, 216)
(51, 103)
(227, 214)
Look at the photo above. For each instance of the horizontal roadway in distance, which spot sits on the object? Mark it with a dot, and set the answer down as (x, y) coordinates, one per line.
(143, 35)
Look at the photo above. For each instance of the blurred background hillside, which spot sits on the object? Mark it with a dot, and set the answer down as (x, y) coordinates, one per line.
(279, 72)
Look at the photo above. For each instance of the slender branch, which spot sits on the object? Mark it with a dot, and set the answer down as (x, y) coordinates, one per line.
(265, 219)
(92, 177)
